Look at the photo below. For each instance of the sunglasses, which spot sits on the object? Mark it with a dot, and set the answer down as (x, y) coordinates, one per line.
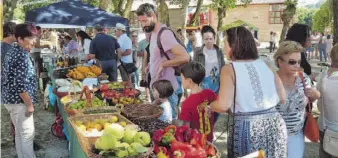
(292, 62)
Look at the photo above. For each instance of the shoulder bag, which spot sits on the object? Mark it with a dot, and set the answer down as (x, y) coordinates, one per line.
(311, 130)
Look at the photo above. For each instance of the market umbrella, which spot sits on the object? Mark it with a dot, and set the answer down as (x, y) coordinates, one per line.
(73, 12)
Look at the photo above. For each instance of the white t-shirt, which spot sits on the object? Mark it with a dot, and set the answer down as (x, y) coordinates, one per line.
(85, 47)
(315, 39)
(126, 43)
(211, 61)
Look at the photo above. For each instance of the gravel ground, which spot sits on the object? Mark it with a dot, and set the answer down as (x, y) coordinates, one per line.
(53, 147)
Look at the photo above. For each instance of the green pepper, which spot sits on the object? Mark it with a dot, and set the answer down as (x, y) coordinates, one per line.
(167, 138)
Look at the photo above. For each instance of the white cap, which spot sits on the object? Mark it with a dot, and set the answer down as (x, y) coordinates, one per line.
(120, 26)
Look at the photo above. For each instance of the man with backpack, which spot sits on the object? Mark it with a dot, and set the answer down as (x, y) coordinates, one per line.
(167, 53)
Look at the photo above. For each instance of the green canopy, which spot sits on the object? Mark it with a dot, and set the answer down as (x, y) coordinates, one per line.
(238, 23)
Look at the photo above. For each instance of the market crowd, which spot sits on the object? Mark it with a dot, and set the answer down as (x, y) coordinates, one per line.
(270, 108)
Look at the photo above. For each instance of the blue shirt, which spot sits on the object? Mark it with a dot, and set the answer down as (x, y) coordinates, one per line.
(189, 47)
(18, 76)
(104, 47)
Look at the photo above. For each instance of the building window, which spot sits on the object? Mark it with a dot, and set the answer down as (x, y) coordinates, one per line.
(275, 13)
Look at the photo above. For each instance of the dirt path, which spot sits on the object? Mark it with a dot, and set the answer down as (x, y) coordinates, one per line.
(51, 146)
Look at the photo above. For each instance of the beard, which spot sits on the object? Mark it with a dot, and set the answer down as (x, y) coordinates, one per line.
(149, 28)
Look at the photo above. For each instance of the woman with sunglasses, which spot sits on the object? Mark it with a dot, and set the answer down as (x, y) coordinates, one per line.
(251, 90)
(288, 59)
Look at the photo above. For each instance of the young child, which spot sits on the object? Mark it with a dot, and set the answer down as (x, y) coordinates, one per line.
(195, 110)
(162, 89)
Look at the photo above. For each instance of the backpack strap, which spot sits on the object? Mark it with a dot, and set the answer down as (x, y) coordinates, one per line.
(159, 43)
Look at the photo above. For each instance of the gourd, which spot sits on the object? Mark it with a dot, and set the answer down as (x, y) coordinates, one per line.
(96, 70)
(83, 69)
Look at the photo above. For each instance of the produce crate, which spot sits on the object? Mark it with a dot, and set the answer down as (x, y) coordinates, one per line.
(87, 142)
(148, 154)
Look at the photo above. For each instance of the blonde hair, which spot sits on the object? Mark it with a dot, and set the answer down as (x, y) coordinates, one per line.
(286, 48)
(334, 55)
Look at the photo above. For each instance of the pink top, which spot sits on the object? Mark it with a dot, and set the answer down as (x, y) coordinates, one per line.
(168, 42)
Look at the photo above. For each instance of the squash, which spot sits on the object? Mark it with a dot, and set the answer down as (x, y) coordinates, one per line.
(91, 75)
(96, 70)
(78, 75)
(83, 69)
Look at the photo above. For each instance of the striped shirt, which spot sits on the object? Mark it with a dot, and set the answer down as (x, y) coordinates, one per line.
(293, 111)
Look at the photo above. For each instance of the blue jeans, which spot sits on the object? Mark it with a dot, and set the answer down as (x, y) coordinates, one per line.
(135, 78)
(109, 67)
(322, 51)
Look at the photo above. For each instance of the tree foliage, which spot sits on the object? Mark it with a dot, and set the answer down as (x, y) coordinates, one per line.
(305, 15)
(222, 6)
(323, 17)
(334, 8)
(287, 16)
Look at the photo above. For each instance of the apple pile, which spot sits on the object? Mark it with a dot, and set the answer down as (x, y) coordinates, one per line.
(94, 128)
(120, 142)
(182, 142)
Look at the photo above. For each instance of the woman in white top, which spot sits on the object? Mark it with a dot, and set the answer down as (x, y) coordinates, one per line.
(84, 42)
(328, 102)
(288, 59)
(255, 90)
(329, 45)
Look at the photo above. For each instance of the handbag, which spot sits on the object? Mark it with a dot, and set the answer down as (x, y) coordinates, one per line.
(129, 67)
(330, 140)
(311, 130)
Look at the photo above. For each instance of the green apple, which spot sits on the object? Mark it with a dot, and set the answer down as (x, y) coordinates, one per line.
(142, 138)
(115, 130)
(129, 136)
(106, 142)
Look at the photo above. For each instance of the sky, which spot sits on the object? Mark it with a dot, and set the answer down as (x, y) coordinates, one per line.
(307, 2)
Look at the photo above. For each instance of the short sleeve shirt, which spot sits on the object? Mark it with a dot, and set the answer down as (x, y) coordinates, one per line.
(18, 76)
(168, 41)
(189, 110)
(126, 43)
(104, 47)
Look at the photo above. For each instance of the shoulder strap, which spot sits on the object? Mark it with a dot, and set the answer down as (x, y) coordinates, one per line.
(300, 74)
(159, 43)
(234, 110)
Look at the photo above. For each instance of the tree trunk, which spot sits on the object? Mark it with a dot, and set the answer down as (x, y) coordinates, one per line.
(185, 5)
(221, 13)
(127, 9)
(119, 7)
(287, 16)
(9, 7)
(286, 26)
(104, 4)
(1, 18)
(196, 15)
(335, 21)
(163, 13)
